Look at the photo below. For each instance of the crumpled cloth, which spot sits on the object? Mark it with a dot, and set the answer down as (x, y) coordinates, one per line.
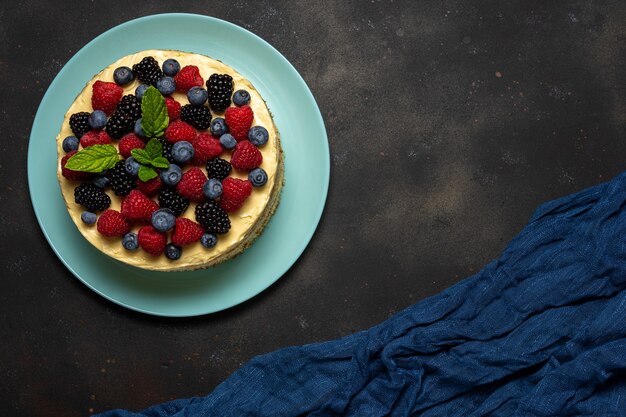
(541, 331)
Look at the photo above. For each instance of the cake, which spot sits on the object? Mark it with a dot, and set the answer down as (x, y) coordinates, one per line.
(159, 130)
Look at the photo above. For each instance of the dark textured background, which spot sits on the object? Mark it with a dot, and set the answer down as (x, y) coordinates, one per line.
(448, 121)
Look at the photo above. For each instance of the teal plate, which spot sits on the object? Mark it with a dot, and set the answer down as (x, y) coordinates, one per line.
(307, 169)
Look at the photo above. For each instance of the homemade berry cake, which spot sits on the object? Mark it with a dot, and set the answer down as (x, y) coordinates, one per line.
(170, 161)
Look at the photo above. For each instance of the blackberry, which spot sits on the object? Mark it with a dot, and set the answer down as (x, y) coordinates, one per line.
(119, 124)
(220, 88)
(166, 148)
(197, 116)
(169, 199)
(120, 181)
(148, 71)
(212, 217)
(218, 168)
(130, 104)
(92, 197)
(79, 123)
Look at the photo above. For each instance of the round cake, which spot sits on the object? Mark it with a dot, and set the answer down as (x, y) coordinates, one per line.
(170, 161)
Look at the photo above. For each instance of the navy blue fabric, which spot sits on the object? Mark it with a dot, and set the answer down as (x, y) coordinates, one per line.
(541, 331)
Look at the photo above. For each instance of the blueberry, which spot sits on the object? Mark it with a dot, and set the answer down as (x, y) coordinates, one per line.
(212, 188)
(101, 181)
(197, 96)
(171, 67)
(97, 119)
(182, 151)
(173, 252)
(241, 97)
(258, 136)
(228, 141)
(166, 85)
(70, 143)
(123, 76)
(88, 217)
(131, 166)
(258, 177)
(208, 240)
(140, 90)
(163, 219)
(171, 176)
(129, 241)
(138, 129)
(218, 127)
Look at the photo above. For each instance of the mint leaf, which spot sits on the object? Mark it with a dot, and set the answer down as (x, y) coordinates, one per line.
(141, 156)
(154, 117)
(95, 158)
(160, 162)
(146, 173)
(154, 148)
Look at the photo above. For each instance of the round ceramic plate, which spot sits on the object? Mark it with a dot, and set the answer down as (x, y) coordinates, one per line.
(307, 169)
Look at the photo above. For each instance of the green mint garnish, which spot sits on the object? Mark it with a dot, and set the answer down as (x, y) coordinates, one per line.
(154, 148)
(160, 162)
(150, 158)
(146, 173)
(154, 117)
(141, 156)
(96, 158)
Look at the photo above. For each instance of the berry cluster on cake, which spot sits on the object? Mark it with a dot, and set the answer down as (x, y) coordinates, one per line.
(170, 160)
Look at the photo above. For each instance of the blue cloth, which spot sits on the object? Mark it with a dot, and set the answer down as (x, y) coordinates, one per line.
(541, 331)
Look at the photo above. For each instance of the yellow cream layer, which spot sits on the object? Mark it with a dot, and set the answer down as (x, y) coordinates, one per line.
(195, 255)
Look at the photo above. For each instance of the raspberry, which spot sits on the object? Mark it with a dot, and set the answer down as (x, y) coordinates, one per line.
(79, 123)
(246, 156)
(68, 173)
(234, 193)
(239, 120)
(150, 187)
(148, 71)
(186, 231)
(189, 76)
(206, 147)
(197, 116)
(190, 185)
(111, 223)
(212, 217)
(129, 142)
(92, 197)
(138, 207)
(220, 88)
(121, 182)
(105, 96)
(170, 200)
(173, 108)
(218, 168)
(151, 240)
(94, 137)
(179, 130)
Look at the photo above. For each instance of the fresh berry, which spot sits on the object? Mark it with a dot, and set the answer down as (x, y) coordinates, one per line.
(166, 85)
(212, 217)
(190, 185)
(220, 88)
(257, 177)
(97, 119)
(179, 130)
(119, 124)
(182, 152)
(228, 141)
(212, 189)
(105, 96)
(218, 126)
(150, 187)
(171, 175)
(120, 181)
(129, 241)
(197, 96)
(189, 76)
(101, 181)
(171, 67)
(208, 240)
(138, 129)
(186, 232)
(111, 223)
(206, 147)
(218, 168)
(258, 135)
(173, 252)
(130, 105)
(138, 207)
(197, 116)
(151, 240)
(123, 76)
(128, 143)
(163, 219)
(141, 90)
(79, 123)
(71, 174)
(88, 217)
(92, 197)
(173, 108)
(246, 156)
(234, 193)
(148, 71)
(95, 137)
(132, 166)
(239, 120)
(70, 144)
(166, 149)
(241, 98)
(170, 200)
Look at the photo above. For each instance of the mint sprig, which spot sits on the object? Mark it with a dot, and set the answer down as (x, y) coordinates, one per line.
(154, 117)
(149, 158)
(95, 158)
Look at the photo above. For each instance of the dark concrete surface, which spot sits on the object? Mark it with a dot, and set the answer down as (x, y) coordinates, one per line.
(448, 122)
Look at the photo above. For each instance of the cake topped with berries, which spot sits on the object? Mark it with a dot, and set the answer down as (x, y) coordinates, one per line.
(169, 161)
